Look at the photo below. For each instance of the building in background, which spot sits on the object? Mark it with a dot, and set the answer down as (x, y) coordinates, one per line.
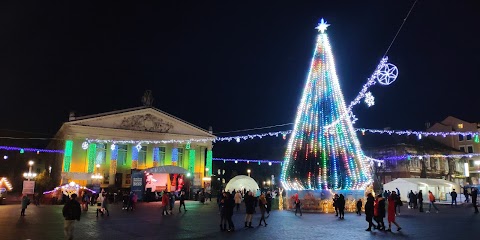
(107, 145)
(469, 143)
(399, 162)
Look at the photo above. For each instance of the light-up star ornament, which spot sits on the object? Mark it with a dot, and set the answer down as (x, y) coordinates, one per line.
(369, 99)
(322, 26)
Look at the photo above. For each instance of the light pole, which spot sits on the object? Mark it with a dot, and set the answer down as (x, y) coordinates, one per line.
(29, 175)
(249, 171)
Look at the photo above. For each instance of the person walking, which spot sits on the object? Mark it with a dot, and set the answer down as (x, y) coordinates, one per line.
(105, 204)
(453, 194)
(100, 204)
(250, 208)
(411, 198)
(474, 194)
(165, 203)
(398, 201)
(359, 207)
(182, 202)
(420, 201)
(25, 202)
(223, 212)
(269, 199)
(171, 201)
(341, 206)
(391, 212)
(85, 201)
(415, 204)
(379, 212)
(335, 199)
(298, 205)
(238, 200)
(71, 212)
(229, 206)
(465, 193)
(369, 211)
(262, 202)
(431, 198)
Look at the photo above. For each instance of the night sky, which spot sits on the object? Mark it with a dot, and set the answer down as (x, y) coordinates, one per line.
(232, 65)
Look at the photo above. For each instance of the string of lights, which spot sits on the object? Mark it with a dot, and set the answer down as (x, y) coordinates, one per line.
(22, 150)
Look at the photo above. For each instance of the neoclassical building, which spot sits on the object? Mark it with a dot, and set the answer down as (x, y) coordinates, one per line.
(112, 144)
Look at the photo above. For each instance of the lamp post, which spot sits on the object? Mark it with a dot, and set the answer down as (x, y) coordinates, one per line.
(29, 175)
(249, 171)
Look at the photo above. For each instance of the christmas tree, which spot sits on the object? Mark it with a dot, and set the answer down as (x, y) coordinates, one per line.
(323, 151)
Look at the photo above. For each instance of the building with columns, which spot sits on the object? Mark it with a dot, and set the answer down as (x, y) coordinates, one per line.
(110, 145)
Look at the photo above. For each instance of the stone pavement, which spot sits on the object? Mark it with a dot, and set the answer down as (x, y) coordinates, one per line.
(202, 222)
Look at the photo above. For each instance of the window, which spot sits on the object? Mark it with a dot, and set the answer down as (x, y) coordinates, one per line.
(470, 149)
(122, 154)
(460, 125)
(469, 137)
(180, 157)
(101, 153)
(142, 156)
(460, 138)
(462, 148)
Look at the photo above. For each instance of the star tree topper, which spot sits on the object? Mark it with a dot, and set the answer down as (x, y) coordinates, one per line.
(322, 26)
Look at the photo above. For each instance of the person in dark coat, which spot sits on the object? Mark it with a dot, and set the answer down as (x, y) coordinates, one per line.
(369, 211)
(182, 202)
(335, 198)
(229, 206)
(474, 194)
(262, 203)
(379, 212)
(359, 207)
(341, 206)
(25, 203)
(420, 200)
(250, 208)
(223, 212)
(71, 212)
(453, 194)
(269, 198)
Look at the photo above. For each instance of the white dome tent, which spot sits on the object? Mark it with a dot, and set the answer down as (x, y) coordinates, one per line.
(241, 182)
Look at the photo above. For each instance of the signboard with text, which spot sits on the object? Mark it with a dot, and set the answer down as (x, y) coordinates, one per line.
(28, 187)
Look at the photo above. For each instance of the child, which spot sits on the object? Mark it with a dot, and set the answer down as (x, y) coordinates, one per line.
(359, 207)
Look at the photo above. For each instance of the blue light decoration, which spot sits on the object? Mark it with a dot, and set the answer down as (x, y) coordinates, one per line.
(23, 150)
(174, 155)
(114, 153)
(156, 154)
(323, 151)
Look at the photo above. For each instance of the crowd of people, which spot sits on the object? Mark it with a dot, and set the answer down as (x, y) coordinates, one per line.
(229, 201)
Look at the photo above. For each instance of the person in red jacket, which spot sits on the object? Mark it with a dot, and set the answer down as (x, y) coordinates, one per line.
(391, 212)
(165, 203)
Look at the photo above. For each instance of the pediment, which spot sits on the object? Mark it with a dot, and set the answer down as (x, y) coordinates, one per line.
(143, 120)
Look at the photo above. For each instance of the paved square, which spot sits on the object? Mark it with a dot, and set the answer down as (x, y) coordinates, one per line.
(202, 222)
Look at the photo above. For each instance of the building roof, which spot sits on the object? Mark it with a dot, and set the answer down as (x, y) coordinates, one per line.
(75, 118)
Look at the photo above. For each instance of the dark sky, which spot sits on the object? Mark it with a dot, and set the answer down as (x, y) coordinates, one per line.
(232, 64)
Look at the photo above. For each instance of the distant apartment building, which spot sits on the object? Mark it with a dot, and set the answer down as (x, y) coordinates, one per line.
(466, 144)
(403, 161)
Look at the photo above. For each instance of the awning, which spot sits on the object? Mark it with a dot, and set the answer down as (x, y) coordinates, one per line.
(167, 169)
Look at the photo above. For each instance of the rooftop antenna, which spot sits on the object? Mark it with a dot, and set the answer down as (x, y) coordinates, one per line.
(147, 98)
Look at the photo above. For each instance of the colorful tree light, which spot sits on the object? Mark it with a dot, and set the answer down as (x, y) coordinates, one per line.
(319, 157)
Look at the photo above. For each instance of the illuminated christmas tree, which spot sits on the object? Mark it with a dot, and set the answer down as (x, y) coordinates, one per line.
(323, 151)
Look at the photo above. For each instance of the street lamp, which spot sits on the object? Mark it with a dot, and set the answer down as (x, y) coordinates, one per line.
(29, 175)
(249, 171)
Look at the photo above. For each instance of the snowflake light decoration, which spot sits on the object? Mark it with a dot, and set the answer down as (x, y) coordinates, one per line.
(369, 99)
(139, 147)
(387, 74)
(85, 145)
